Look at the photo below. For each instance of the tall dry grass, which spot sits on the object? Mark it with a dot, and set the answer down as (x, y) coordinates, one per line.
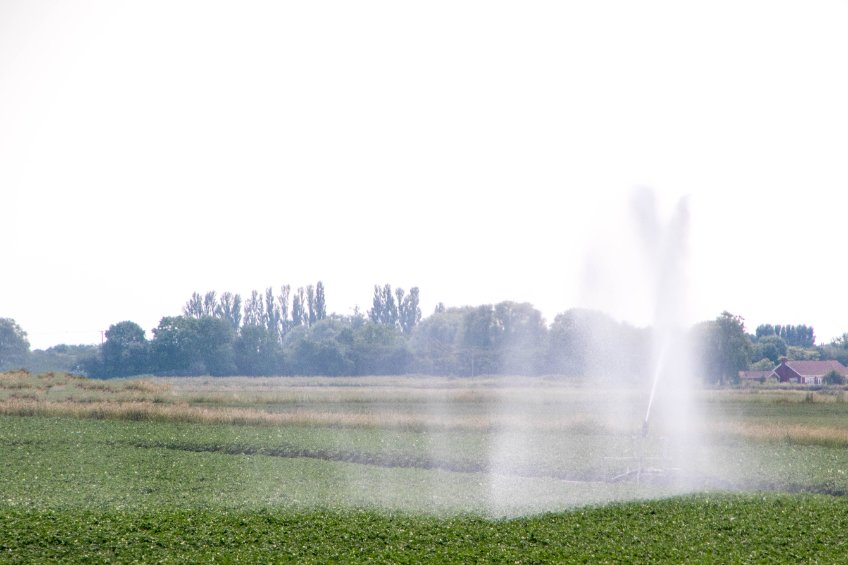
(397, 419)
(799, 434)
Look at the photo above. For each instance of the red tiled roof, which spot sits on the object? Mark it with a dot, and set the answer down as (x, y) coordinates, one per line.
(817, 368)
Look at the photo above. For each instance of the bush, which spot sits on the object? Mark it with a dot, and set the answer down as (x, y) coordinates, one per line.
(834, 378)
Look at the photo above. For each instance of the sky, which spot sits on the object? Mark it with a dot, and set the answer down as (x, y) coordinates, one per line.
(482, 151)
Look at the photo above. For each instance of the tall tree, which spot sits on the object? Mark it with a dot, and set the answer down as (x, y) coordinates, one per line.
(399, 294)
(210, 300)
(726, 349)
(272, 314)
(229, 309)
(174, 345)
(375, 314)
(215, 347)
(310, 304)
(254, 310)
(283, 301)
(14, 345)
(435, 343)
(521, 338)
(298, 307)
(257, 352)
(125, 351)
(194, 307)
(390, 312)
(410, 311)
(320, 302)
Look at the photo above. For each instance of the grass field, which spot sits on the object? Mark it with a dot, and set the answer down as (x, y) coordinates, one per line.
(410, 469)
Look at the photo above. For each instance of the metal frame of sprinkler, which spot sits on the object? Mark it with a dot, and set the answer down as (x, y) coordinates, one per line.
(643, 462)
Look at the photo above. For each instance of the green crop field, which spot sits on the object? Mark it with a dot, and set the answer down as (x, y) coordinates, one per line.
(412, 469)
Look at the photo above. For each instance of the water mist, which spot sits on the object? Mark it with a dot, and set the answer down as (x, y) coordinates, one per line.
(641, 421)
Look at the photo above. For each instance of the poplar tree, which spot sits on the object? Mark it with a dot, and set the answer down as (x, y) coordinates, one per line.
(310, 304)
(320, 302)
(375, 314)
(194, 307)
(272, 313)
(254, 310)
(283, 300)
(390, 312)
(297, 307)
(229, 309)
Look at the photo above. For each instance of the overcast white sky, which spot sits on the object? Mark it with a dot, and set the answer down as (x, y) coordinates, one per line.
(479, 150)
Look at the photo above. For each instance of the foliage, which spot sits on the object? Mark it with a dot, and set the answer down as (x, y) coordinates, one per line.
(264, 335)
(764, 364)
(725, 348)
(834, 378)
(61, 357)
(125, 351)
(433, 343)
(798, 336)
(98, 490)
(699, 529)
(794, 353)
(379, 349)
(588, 342)
(769, 347)
(14, 346)
(257, 352)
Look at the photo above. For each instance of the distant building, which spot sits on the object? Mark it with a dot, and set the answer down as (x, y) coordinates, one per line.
(808, 372)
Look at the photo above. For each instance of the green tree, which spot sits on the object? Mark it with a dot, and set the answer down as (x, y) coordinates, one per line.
(215, 347)
(194, 307)
(771, 347)
(175, 344)
(298, 306)
(14, 345)
(310, 305)
(210, 301)
(272, 316)
(521, 338)
(478, 341)
(125, 351)
(725, 348)
(409, 311)
(229, 309)
(375, 314)
(435, 342)
(834, 378)
(254, 310)
(379, 349)
(590, 343)
(320, 302)
(322, 349)
(257, 352)
(283, 304)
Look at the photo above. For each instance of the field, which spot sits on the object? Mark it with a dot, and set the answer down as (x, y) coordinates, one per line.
(411, 469)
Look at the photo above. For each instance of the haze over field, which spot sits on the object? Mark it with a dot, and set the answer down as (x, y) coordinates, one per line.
(479, 151)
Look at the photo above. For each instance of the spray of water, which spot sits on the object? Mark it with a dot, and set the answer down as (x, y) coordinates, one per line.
(654, 381)
(643, 267)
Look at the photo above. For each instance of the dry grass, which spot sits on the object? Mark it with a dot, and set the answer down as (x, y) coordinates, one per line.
(421, 403)
(66, 387)
(398, 419)
(376, 402)
(800, 434)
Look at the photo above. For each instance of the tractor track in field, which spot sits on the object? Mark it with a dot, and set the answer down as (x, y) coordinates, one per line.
(399, 461)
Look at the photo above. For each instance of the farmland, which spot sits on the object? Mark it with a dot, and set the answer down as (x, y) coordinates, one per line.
(410, 469)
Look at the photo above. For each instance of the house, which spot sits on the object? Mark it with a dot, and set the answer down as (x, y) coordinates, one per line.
(807, 372)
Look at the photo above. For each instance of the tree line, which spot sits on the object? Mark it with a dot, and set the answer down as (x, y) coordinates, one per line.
(287, 331)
